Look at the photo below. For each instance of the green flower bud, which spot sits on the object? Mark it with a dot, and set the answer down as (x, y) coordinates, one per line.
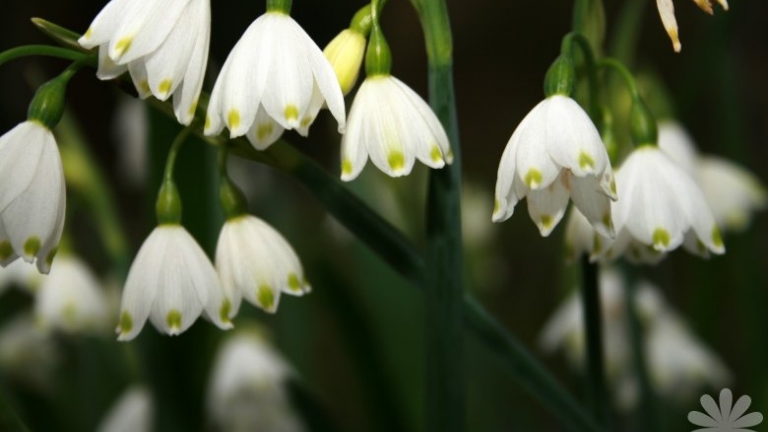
(561, 77)
(642, 124)
(378, 58)
(47, 106)
(168, 206)
(232, 199)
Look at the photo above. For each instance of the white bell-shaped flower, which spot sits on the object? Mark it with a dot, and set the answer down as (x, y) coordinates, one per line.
(254, 261)
(556, 153)
(132, 412)
(71, 299)
(163, 44)
(732, 192)
(661, 208)
(275, 78)
(32, 195)
(391, 124)
(247, 388)
(171, 282)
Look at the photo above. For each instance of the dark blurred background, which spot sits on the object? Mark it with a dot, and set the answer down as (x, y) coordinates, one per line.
(356, 341)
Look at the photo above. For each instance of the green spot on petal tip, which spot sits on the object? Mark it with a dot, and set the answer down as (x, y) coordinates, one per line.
(294, 283)
(32, 246)
(396, 160)
(174, 320)
(126, 322)
(717, 239)
(225, 310)
(6, 250)
(585, 161)
(661, 237)
(266, 297)
(533, 178)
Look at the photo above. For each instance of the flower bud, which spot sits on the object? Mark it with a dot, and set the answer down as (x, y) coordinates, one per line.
(345, 53)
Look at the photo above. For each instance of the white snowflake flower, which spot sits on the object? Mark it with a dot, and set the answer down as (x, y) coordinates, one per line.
(732, 192)
(556, 153)
(163, 44)
(275, 78)
(171, 282)
(132, 412)
(661, 208)
(394, 126)
(254, 261)
(32, 195)
(247, 388)
(71, 298)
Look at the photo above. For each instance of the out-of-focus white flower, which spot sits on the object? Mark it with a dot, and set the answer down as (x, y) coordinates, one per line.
(678, 363)
(21, 275)
(732, 192)
(391, 124)
(275, 78)
(28, 354)
(556, 153)
(171, 282)
(164, 46)
(254, 261)
(345, 54)
(580, 237)
(32, 195)
(132, 412)
(661, 208)
(667, 13)
(247, 388)
(131, 133)
(71, 298)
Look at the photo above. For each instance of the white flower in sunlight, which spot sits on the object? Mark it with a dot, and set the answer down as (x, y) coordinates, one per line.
(667, 14)
(275, 78)
(732, 192)
(254, 261)
(132, 412)
(164, 46)
(661, 208)
(171, 282)
(28, 354)
(247, 388)
(678, 363)
(345, 54)
(71, 298)
(556, 153)
(32, 195)
(394, 126)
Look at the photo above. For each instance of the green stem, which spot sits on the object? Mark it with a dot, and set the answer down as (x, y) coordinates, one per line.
(582, 42)
(48, 51)
(590, 296)
(626, 75)
(173, 153)
(625, 40)
(445, 401)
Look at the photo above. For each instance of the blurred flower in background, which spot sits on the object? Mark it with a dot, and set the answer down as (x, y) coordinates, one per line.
(29, 355)
(132, 412)
(679, 364)
(247, 388)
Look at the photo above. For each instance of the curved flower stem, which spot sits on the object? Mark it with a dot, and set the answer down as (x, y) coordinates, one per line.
(170, 163)
(445, 401)
(626, 75)
(48, 51)
(590, 297)
(579, 40)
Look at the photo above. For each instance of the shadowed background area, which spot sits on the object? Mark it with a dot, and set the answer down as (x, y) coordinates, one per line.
(356, 341)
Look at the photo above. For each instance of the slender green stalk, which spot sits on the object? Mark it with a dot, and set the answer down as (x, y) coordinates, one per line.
(624, 40)
(445, 401)
(624, 73)
(582, 42)
(61, 35)
(173, 153)
(48, 51)
(590, 297)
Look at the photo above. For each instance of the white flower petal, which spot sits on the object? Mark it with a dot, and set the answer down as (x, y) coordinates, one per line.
(20, 152)
(131, 412)
(571, 138)
(104, 24)
(325, 79)
(107, 69)
(185, 99)
(547, 206)
(140, 78)
(534, 165)
(731, 191)
(678, 145)
(264, 130)
(144, 26)
(595, 206)
(667, 13)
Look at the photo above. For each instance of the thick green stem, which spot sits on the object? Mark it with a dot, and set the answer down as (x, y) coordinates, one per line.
(590, 296)
(582, 42)
(445, 402)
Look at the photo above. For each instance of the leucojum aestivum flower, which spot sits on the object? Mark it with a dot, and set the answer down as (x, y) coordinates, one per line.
(226, 235)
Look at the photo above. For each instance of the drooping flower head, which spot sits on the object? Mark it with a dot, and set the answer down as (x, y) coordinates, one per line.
(556, 153)
(252, 259)
(171, 281)
(32, 189)
(389, 122)
(164, 46)
(275, 78)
